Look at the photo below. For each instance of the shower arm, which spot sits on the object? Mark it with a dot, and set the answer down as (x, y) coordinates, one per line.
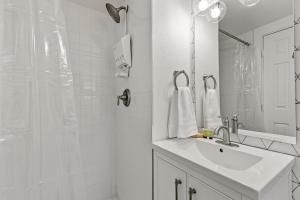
(123, 8)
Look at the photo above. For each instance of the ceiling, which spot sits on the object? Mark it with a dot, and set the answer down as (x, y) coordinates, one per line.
(240, 19)
(97, 4)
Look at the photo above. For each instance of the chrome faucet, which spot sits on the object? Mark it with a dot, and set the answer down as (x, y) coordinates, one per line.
(226, 133)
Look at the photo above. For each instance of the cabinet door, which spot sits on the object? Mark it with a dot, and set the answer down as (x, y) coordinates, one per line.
(198, 190)
(170, 182)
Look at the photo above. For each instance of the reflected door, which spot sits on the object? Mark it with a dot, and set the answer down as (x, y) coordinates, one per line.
(279, 83)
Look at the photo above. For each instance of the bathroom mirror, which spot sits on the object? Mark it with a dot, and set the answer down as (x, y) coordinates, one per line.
(254, 67)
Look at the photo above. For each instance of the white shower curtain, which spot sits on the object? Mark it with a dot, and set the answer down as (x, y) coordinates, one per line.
(247, 86)
(39, 149)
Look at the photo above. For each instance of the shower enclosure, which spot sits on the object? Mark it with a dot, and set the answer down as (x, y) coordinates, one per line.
(57, 101)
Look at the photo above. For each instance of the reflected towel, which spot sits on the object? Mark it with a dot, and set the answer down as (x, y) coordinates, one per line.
(182, 119)
(211, 110)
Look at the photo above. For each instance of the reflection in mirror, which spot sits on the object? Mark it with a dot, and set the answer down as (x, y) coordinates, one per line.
(256, 68)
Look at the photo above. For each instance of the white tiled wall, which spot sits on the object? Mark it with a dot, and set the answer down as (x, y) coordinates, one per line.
(91, 36)
(171, 36)
(133, 135)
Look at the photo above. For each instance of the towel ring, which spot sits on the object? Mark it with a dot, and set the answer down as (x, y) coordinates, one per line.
(176, 74)
(205, 78)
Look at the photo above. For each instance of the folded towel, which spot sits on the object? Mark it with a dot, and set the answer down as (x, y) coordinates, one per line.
(211, 110)
(122, 55)
(182, 119)
(122, 71)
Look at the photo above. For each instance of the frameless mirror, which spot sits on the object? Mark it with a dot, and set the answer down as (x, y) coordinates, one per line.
(255, 72)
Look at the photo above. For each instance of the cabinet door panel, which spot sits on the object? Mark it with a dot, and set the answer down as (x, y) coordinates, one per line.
(166, 176)
(198, 190)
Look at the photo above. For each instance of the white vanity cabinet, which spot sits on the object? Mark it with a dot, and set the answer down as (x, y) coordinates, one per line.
(183, 170)
(198, 190)
(172, 183)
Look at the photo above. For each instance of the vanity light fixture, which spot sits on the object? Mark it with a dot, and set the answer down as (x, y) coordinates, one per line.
(215, 10)
(203, 5)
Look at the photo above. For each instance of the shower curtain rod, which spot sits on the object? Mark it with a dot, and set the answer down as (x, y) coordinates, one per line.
(234, 37)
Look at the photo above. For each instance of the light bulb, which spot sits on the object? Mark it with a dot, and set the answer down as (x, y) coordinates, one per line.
(249, 3)
(215, 12)
(203, 5)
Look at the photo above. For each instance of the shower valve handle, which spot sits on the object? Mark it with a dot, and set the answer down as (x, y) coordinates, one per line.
(125, 97)
(122, 97)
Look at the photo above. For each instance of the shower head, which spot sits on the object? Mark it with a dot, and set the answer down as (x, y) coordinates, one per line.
(115, 12)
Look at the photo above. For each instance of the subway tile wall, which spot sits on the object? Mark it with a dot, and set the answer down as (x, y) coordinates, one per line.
(91, 37)
(133, 135)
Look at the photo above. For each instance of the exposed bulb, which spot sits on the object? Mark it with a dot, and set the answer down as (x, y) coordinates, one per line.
(249, 3)
(203, 5)
(215, 12)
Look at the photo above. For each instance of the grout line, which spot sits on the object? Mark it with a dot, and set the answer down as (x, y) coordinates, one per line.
(263, 143)
(296, 151)
(295, 176)
(293, 190)
(296, 22)
(270, 145)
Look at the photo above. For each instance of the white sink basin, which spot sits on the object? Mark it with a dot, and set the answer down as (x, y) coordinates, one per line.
(227, 157)
(248, 167)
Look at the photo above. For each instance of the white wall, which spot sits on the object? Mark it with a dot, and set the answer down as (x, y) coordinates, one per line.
(133, 123)
(91, 36)
(206, 59)
(171, 48)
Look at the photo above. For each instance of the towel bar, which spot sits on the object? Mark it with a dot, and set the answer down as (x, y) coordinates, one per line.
(176, 74)
(205, 78)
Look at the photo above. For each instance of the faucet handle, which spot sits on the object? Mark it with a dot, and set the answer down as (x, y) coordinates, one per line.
(125, 97)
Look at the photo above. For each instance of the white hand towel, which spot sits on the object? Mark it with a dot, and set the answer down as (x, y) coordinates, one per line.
(182, 119)
(211, 109)
(122, 71)
(122, 55)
